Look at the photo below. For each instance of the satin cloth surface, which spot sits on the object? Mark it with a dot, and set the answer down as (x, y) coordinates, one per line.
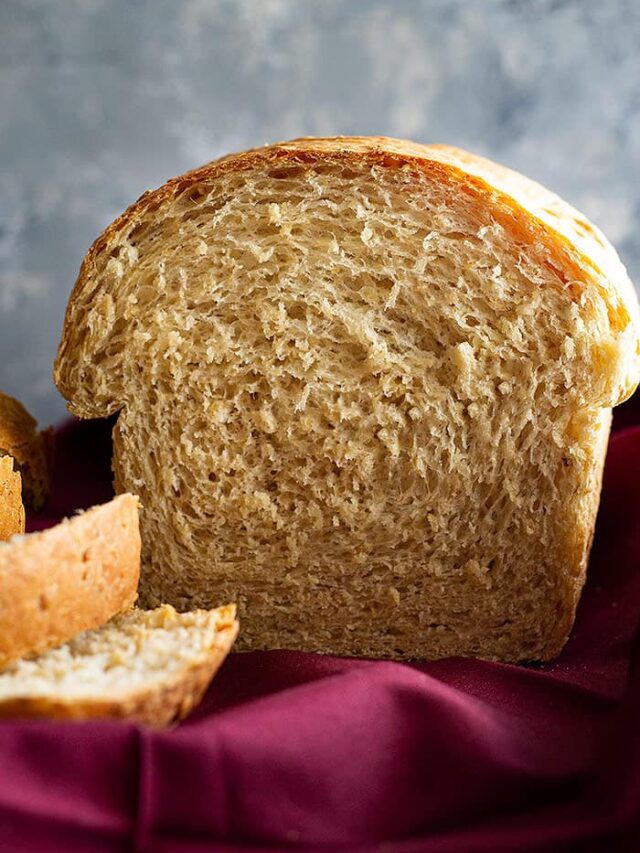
(291, 750)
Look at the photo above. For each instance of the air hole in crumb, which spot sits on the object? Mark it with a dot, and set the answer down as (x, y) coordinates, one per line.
(296, 312)
(283, 174)
(43, 602)
(204, 212)
(213, 477)
(349, 174)
(193, 193)
(86, 556)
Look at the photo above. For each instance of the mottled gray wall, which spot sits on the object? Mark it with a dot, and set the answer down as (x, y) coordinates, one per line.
(101, 99)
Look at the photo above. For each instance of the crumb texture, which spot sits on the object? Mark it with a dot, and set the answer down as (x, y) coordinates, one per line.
(152, 666)
(356, 398)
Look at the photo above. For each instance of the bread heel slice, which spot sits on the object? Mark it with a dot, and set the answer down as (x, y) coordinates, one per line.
(32, 450)
(69, 578)
(11, 507)
(149, 667)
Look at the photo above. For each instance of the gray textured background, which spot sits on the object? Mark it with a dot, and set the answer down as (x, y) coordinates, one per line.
(102, 99)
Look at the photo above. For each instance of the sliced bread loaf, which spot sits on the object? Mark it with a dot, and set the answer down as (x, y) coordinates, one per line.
(11, 506)
(68, 578)
(363, 388)
(32, 450)
(148, 666)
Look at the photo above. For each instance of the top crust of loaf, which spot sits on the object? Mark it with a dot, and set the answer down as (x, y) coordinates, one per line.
(32, 450)
(575, 250)
(67, 579)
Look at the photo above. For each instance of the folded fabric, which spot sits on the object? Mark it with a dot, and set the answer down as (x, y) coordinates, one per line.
(293, 750)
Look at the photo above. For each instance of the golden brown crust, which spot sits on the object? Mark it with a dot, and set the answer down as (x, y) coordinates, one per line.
(67, 579)
(32, 450)
(159, 705)
(574, 248)
(11, 507)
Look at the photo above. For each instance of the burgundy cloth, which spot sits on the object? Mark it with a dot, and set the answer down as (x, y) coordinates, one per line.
(292, 750)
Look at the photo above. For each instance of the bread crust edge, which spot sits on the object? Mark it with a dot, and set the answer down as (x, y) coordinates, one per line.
(68, 578)
(157, 706)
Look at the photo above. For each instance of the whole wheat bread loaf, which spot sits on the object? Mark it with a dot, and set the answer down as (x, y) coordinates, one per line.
(146, 666)
(363, 388)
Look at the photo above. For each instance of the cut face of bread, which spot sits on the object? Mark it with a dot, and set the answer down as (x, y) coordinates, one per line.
(32, 450)
(11, 506)
(69, 578)
(148, 666)
(364, 389)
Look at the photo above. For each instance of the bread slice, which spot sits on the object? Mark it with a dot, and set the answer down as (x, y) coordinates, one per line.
(148, 666)
(32, 450)
(68, 578)
(364, 389)
(11, 506)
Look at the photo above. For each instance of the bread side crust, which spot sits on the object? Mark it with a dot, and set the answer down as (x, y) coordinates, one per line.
(575, 249)
(11, 506)
(67, 579)
(159, 705)
(576, 570)
(32, 450)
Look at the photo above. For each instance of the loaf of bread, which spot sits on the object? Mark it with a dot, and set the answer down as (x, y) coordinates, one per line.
(32, 450)
(363, 388)
(148, 667)
(11, 506)
(69, 578)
